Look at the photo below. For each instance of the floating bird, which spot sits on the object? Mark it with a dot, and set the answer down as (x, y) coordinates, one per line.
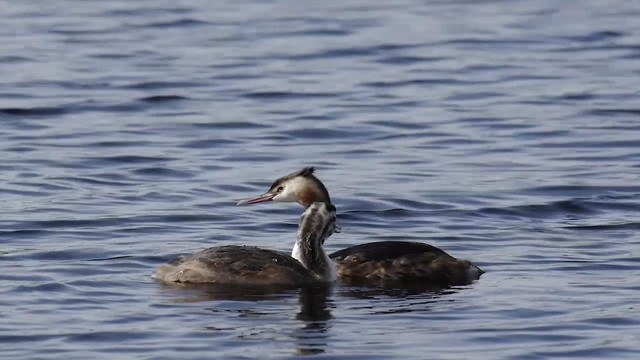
(249, 265)
(375, 262)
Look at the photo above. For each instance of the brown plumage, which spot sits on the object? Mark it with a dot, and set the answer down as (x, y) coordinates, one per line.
(249, 265)
(401, 262)
(232, 264)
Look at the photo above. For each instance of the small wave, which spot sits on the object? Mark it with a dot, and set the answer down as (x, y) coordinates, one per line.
(187, 22)
(320, 133)
(210, 143)
(46, 287)
(147, 11)
(575, 97)
(106, 336)
(230, 125)
(12, 59)
(158, 171)
(352, 52)
(493, 41)
(155, 85)
(475, 95)
(119, 143)
(620, 226)
(92, 181)
(563, 207)
(34, 111)
(28, 233)
(162, 98)
(412, 82)
(584, 190)
(596, 36)
(120, 221)
(268, 95)
(110, 56)
(614, 112)
(130, 159)
(311, 32)
(408, 60)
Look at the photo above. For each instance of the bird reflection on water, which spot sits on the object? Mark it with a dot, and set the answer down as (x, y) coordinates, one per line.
(314, 318)
(313, 314)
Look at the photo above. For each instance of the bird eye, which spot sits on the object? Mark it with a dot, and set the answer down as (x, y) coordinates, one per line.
(280, 188)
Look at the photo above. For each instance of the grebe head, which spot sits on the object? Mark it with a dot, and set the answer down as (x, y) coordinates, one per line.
(301, 187)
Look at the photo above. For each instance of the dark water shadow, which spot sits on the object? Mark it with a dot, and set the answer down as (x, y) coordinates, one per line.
(365, 289)
(213, 292)
(313, 336)
(314, 312)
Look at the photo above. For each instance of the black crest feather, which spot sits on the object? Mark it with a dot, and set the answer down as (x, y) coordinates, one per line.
(306, 171)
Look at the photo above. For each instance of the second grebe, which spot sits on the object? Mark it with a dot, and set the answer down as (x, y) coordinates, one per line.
(385, 261)
(249, 265)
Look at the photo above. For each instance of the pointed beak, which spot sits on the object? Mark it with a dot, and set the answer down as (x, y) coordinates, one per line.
(256, 200)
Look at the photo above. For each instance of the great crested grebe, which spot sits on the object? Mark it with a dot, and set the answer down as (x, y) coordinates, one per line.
(385, 261)
(250, 265)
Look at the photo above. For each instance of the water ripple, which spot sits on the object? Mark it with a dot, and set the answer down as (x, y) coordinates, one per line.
(504, 132)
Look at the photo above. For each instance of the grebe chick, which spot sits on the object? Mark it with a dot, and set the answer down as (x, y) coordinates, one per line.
(376, 262)
(251, 265)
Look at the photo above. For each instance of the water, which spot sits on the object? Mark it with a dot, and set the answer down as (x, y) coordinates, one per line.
(504, 132)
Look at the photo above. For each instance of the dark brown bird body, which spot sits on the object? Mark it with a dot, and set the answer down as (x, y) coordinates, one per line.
(402, 262)
(250, 265)
(233, 264)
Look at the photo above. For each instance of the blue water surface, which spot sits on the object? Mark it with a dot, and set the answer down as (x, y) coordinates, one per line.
(504, 132)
